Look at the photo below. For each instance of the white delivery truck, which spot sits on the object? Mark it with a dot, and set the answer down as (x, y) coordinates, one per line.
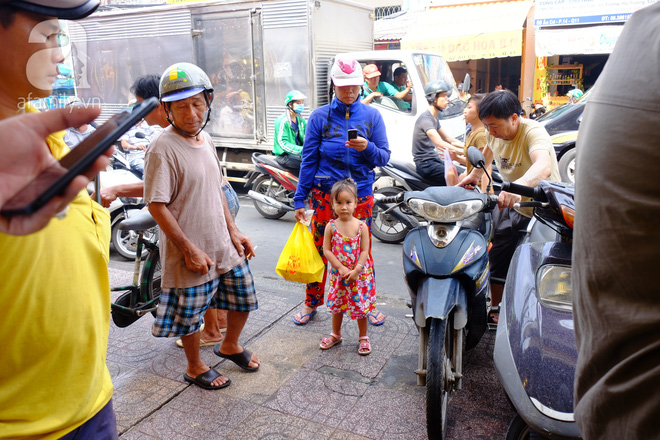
(255, 52)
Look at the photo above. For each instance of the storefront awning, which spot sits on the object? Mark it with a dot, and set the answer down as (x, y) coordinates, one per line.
(582, 40)
(450, 30)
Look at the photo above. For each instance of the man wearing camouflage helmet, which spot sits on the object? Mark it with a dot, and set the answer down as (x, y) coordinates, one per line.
(205, 256)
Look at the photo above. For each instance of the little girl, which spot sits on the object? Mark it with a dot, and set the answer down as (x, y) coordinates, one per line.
(346, 246)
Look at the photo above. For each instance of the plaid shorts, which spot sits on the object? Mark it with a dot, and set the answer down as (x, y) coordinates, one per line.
(180, 310)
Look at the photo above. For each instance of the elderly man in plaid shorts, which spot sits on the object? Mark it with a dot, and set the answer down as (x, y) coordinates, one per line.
(205, 256)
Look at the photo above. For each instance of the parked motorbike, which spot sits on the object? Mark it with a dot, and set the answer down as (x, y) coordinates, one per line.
(273, 186)
(390, 223)
(446, 269)
(124, 240)
(535, 352)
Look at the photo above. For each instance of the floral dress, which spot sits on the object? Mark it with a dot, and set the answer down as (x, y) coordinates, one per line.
(356, 298)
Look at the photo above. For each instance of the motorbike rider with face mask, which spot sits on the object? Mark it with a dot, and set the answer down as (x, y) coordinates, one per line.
(290, 132)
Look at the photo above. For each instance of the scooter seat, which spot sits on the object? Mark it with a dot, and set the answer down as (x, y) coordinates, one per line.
(269, 160)
(138, 221)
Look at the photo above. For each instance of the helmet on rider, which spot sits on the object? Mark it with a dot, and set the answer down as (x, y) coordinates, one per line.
(181, 81)
(293, 95)
(346, 72)
(66, 10)
(432, 89)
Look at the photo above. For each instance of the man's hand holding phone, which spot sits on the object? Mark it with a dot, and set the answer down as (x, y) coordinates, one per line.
(54, 181)
(25, 155)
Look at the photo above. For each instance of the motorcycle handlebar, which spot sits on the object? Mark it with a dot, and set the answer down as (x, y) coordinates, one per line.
(525, 191)
(392, 199)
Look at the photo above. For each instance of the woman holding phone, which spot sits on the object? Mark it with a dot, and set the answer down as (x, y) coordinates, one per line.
(345, 138)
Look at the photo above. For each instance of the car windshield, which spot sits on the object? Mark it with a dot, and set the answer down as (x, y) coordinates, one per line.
(432, 67)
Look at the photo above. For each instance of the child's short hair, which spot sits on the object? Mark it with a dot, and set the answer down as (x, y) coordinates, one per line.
(346, 184)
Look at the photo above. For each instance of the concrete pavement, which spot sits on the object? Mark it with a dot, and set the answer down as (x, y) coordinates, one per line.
(300, 391)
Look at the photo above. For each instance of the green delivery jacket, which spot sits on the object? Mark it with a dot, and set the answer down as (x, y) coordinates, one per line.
(285, 138)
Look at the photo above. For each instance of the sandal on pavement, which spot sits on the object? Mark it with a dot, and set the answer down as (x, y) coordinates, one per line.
(365, 347)
(309, 315)
(202, 342)
(204, 380)
(376, 322)
(327, 343)
(241, 359)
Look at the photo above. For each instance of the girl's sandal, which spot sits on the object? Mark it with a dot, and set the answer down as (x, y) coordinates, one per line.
(327, 343)
(365, 347)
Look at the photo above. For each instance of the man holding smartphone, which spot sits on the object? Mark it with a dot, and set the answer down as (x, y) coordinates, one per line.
(203, 252)
(54, 320)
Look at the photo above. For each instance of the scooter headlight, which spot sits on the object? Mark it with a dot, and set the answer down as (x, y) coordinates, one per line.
(553, 287)
(445, 214)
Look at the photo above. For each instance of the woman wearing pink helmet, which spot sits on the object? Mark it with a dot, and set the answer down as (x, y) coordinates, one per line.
(329, 156)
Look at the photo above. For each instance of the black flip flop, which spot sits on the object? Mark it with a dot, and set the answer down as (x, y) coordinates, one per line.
(204, 380)
(241, 359)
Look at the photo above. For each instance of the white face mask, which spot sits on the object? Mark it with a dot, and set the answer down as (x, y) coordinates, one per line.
(298, 108)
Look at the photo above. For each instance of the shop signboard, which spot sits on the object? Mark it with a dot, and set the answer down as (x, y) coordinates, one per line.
(584, 40)
(584, 12)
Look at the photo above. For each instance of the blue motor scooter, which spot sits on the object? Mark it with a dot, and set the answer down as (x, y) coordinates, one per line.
(446, 269)
(535, 351)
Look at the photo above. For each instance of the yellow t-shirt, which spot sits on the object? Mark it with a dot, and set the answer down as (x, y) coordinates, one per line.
(513, 157)
(54, 321)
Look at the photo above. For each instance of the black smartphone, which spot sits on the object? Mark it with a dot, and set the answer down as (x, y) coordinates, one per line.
(54, 179)
(352, 133)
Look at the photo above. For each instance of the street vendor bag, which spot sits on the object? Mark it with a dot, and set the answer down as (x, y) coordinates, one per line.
(300, 260)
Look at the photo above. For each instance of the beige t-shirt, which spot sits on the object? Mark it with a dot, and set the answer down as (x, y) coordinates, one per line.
(189, 180)
(513, 157)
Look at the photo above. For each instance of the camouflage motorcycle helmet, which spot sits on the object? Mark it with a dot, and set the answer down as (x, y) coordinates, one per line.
(183, 80)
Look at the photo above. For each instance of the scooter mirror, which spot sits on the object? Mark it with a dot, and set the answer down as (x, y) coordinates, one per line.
(466, 83)
(476, 157)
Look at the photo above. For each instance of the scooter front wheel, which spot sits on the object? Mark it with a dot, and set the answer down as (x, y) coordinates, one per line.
(437, 394)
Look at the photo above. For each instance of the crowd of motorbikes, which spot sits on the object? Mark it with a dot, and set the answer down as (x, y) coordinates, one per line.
(446, 232)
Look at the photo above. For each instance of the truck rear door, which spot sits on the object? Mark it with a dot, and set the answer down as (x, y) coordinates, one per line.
(226, 47)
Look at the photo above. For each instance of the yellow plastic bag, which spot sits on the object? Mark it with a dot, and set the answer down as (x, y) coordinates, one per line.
(299, 260)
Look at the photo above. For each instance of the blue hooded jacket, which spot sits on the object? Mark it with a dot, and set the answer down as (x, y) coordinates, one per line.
(325, 157)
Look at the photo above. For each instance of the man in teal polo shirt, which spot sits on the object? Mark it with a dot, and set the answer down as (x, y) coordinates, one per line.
(374, 89)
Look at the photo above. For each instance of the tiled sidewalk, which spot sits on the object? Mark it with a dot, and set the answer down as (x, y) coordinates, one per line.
(300, 392)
